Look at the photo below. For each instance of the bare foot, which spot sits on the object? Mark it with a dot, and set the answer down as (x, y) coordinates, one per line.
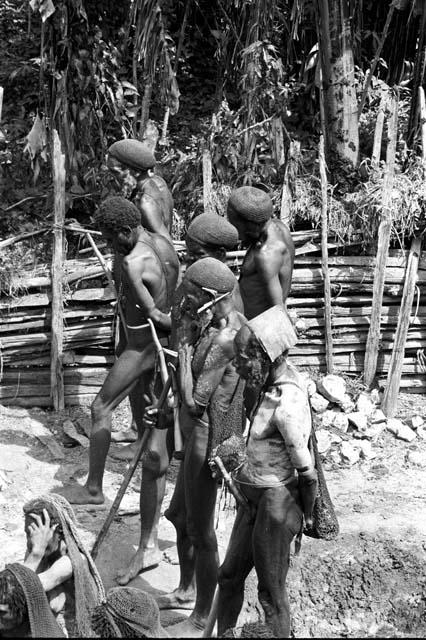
(171, 555)
(76, 494)
(143, 560)
(126, 453)
(188, 628)
(177, 599)
(124, 436)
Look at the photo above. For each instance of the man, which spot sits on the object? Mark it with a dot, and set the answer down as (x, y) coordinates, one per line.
(277, 478)
(65, 568)
(132, 163)
(208, 235)
(265, 278)
(150, 273)
(217, 394)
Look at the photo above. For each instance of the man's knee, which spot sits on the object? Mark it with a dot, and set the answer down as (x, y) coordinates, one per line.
(229, 580)
(176, 517)
(202, 536)
(155, 463)
(99, 409)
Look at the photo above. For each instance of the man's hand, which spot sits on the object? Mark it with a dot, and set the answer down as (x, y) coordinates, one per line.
(40, 532)
(161, 320)
(308, 492)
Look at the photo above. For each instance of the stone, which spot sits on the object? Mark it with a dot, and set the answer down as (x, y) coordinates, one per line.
(341, 421)
(359, 420)
(374, 431)
(416, 422)
(327, 418)
(349, 452)
(323, 440)
(347, 404)
(318, 403)
(364, 404)
(417, 457)
(70, 430)
(377, 416)
(376, 396)
(400, 430)
(332, 387)
(421, 432)
(366, 450)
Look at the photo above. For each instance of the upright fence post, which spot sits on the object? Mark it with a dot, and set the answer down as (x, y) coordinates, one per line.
(385, 227)
(56, 352)
(324, 260)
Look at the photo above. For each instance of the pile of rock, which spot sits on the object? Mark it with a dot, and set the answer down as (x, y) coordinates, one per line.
(347, 427)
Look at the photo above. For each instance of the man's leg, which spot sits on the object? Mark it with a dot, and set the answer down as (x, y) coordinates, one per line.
(232, 574)
(200, 499)
(155, 464)
(184, 596)
(279, 518)
(119, 381)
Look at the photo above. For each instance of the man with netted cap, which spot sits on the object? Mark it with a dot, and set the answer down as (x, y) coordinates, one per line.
(132, 163)
(277, 477)
(210, 390)
(208, 235)
(266, 272)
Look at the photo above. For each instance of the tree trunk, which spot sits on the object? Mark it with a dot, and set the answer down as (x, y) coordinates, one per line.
(337, 65)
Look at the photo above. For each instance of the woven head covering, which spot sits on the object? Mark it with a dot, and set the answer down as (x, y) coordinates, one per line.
(251, 204)
(88, 587)
(211, 274)
(128, 612)
(274, 331)
(211, 229)
(41, 618)
(133, 154)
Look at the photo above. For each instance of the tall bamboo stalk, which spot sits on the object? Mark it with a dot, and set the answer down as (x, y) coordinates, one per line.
(57, 336)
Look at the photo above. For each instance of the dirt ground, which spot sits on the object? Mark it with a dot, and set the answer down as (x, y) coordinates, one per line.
(369, 582)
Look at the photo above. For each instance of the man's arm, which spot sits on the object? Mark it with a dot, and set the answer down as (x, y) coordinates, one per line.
(268, 261)
(294, 422)
(152, 216)
(219, 355)
(136, 272)
(59, 572)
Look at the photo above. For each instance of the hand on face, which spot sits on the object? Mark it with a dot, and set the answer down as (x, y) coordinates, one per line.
(40, 533)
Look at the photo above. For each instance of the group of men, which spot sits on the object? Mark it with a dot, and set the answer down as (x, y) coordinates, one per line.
(228, 340)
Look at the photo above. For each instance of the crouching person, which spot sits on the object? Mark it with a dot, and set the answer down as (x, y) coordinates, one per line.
(65, 568)
(277, 478)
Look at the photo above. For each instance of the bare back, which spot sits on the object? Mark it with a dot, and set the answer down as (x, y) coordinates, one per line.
(156, 263)
(155, 201)
(266, 272)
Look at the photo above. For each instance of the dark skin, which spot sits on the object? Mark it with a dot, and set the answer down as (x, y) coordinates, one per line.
(192, 507)
(151, 271)
(265, 278)
(149, 193)
(264, 541)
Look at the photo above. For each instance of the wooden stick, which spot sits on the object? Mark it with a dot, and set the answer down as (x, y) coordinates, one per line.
(211, 620)
(324, 259)
(207, 181)
(172, 396)
(422, 109)
(385, 227)
(57, 336)
(118, 498)
(390, 398)
(378, 131)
